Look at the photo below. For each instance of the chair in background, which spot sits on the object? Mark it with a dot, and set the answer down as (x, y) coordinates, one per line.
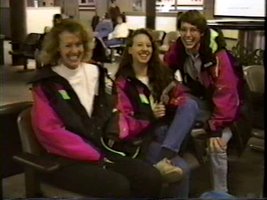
(101, 53)
(119, 47)
(27, 50)
(10, 140)
(169, 39)
(254, 76)
(36, 162)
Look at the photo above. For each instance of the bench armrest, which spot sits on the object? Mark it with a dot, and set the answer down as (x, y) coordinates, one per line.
(39, 163)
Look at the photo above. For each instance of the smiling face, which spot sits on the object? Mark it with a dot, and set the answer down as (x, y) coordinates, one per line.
(141, 49)
(190, 36)
(71, 49)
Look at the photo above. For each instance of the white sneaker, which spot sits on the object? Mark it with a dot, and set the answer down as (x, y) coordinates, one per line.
(169, 172)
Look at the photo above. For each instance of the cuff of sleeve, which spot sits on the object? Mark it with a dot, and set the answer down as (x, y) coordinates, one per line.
(212, 130)
(215, 134)
(101, 159)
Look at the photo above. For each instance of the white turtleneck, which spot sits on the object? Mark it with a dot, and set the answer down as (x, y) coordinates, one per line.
(84, 81)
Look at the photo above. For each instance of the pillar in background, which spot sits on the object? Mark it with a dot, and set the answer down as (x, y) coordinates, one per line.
(150, 13)
(208, 9)
(17, 26)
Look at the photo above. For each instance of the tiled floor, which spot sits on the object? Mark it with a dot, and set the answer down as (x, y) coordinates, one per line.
(245, 173)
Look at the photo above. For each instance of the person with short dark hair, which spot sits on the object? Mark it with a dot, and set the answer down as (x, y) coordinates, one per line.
(205, 71)
(57, 18)
(95, 21)
(68, 117)
(114, 11)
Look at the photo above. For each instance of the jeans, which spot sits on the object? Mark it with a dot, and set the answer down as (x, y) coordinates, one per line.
(219, 165)
(179, 189)
(218, 160)
(171, 138)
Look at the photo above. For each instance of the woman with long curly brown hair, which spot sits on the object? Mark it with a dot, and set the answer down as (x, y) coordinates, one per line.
(140, 81)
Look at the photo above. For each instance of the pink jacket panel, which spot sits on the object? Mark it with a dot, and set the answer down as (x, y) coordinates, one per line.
(129, 126)
(52, 134)
(225, 96)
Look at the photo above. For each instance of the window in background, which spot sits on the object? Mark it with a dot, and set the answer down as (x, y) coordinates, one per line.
(87, 5)
(184, 5)
(166, 6)
(178, 5)
(240, 8)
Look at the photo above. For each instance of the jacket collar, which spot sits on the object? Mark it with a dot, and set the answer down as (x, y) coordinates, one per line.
(43, 73)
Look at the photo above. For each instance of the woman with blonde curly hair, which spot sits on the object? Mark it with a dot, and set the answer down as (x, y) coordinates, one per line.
(68, 115)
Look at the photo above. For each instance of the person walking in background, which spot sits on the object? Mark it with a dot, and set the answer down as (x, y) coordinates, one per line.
(119, 34)
(104, 27)
(57, 18)
(207, 74)
(68, 116)
(95, 21)
(114, 12)
(140, 80)
(121, 30)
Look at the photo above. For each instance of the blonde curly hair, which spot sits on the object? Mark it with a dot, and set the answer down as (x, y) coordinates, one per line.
(50, 47)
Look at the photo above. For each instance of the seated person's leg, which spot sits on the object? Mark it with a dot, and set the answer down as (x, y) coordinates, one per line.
(181, 125)
(91, 180)
(218, 160)
(179, 188)
(219, 164)
(145, 180)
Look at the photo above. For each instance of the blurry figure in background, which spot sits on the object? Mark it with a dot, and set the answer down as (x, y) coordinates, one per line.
(120, 32)
(114, 12)
(57, 18)
(123, 15)
(47, 29)
(95, 21)
(104, 27)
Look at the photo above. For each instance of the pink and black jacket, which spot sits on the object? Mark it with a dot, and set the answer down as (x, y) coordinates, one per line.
(61, 123)
(136, 118)
(219, 85)
(134, 109)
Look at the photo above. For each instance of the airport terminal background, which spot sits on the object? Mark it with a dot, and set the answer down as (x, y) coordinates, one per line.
(244, 34)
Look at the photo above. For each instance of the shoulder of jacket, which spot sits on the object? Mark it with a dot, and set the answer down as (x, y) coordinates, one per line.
(221, 53)
(41, 74)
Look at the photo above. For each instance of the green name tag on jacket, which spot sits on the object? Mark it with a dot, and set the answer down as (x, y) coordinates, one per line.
(64, 94)
(143, 99)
